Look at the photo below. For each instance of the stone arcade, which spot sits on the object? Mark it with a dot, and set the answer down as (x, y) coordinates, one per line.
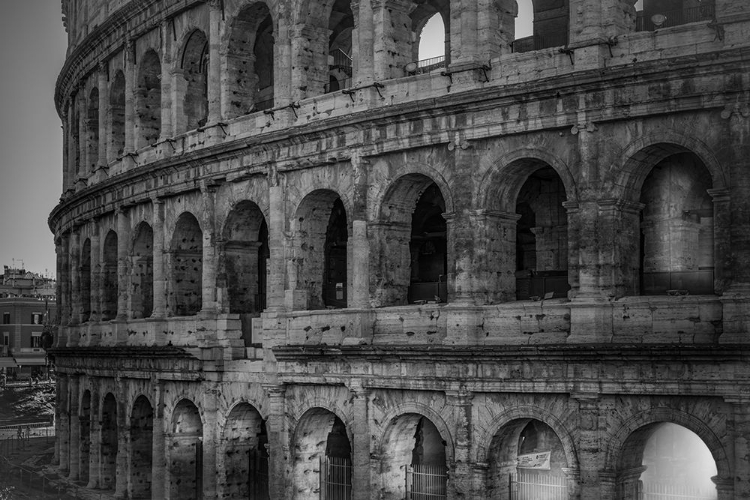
(293, 265)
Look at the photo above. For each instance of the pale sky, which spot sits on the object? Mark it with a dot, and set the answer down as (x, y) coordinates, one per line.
(34, 42)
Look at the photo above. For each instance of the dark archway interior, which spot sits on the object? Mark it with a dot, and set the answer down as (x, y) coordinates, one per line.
(186, 453)
(141, 448)
(335, 268)
(428, 249)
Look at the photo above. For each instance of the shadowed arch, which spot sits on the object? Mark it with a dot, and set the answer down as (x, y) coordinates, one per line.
(500, 186)
(638, 158)
(427, 412)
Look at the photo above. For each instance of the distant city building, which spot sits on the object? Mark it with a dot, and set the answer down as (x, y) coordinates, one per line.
(27, 305)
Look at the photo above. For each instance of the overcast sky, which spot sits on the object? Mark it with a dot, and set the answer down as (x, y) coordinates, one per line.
(34, 42)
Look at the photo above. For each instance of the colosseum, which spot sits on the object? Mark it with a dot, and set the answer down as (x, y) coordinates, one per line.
(299, 260)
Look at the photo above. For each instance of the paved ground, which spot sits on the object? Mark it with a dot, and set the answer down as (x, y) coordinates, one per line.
(27, 468)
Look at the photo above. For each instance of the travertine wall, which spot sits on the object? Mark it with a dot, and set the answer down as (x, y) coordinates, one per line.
(217, 192)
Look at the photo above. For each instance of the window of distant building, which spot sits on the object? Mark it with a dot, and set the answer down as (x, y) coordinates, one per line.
(36, 339)
(6, 318)
(6, 339)
(36, 318)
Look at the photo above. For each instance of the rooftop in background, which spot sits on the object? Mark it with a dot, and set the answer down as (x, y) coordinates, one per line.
(18, 282)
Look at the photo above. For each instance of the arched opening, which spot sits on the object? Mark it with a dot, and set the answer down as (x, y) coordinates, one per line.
(340, 26)
(142, 272)
(76, 134)
(245, 445)
(335, 270)
(117, 117)
(85, 281)
(92, 130)
(148, 101)
(432, 43)
(185, 461)
(665, 460)
(527, 459)
(542, 236)
(110, 285)
(410, 236)
(108, 467)
(186, 263)
(141, 448)
(322, 457)
(321, 230)
(657, 14)
(540, 24)
(413, 459)
(194, 66)
(428, 249)
(677, 228)
(245, 257)
(85, 426)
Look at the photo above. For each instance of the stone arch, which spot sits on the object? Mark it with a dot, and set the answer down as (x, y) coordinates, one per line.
(110, 280)
(141, 447)
(185, 451)
(193, 87)
(616, 445)
(186, 267)
(250, 61)
(85, 281)
(78, 109)
(635, 161)
(379, 195)
(148, 100)
(109, 442)
(142, 272)
(501, 184)
(320, 437)
(419, 17)
(117, 117)
(411, 239)
(243, 251)
(244, 454)
(550, 22)
(311, 228)
(92, 130)
(414, 435)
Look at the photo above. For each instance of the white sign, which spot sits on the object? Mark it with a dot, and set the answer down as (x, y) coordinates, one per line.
(539, 461)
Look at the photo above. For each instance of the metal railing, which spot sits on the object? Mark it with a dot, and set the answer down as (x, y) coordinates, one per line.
(429, 65)
(538, 42)
(340, 59)
(540, 286)
(658, 491)
(676, 17)
(335, 478)
(533, 486)
(426, 482)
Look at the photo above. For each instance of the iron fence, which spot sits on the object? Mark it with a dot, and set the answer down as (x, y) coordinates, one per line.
(676, 17)
(533, 486)
(335, 478)
(659, 491)
(29, 482)
(426, 482)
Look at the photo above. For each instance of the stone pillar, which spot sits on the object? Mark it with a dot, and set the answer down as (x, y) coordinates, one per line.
(59, 260)
(392, 44)
(496, 26)
(75, 275)
(278, 444)
(62, 422)
(95, 448)
(95, 274)
(361, 479)
(82, 169)
(282, 47)
(574, 239)
(739, 430)
(176, 100)
(168, 127)
(216, 27)
(460, 484)
(276, 231)
(722, 239)
(66, 146)
(484, 246)
(308, 77)
(363, 42)
(629, 484)
(359, 298)
(131, 76)
(210, 436)
(464, 24)
(65, 311)
(584, 483)
(123, 243)
(104, 113)
(159, 270)
(209, 251)
(75, 430)
(158, 456)
(123, 439)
